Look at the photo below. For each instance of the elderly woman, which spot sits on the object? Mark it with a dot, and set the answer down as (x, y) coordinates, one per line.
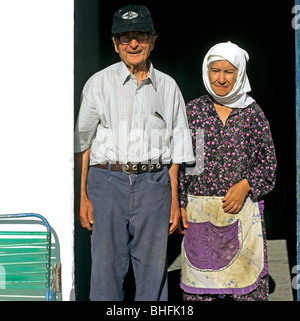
(224, 247)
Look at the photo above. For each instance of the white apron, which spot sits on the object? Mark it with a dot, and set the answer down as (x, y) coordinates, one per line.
(222, 253)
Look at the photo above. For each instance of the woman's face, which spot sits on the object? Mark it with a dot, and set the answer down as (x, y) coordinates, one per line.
(222, 77)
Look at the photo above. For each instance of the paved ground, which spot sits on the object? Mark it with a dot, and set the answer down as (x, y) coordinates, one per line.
(279, 271)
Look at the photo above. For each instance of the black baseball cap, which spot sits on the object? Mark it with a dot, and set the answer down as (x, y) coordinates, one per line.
(132, 18)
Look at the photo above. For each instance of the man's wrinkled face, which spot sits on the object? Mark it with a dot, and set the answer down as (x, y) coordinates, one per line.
(134, 48)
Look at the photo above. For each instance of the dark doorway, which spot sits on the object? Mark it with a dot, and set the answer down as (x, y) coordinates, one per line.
(186, 30)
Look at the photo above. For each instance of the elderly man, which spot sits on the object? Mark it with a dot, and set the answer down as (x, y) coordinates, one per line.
(130, 136)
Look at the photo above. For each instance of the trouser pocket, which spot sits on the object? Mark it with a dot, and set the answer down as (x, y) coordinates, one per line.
(208, 246)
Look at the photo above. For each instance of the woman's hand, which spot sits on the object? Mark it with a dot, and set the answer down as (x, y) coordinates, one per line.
(234, 199)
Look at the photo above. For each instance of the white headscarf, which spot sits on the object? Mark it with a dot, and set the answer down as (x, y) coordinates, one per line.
(238, 57)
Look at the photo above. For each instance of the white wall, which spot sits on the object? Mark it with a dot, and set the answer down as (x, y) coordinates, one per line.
(36, 117)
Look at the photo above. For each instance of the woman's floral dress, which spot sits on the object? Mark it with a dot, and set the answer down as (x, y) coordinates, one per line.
(225, 155)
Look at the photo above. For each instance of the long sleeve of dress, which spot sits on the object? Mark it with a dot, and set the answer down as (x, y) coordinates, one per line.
(261, 173)
(185, 170)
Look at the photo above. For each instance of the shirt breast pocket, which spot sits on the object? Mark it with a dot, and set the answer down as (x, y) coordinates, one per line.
(154, 122)
(155, 128)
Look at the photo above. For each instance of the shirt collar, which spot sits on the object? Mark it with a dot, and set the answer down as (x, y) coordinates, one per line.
(125, 74)
(152, 75)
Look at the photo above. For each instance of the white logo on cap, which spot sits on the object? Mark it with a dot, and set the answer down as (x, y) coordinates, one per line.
(130, 15)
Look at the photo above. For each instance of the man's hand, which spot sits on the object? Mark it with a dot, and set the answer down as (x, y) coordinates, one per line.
(86, 213)
(174, 217)
(175, 211)
(235, 197)
(84, 208)
(183, 223)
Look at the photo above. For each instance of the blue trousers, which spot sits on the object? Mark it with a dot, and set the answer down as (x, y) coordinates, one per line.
(131, 222)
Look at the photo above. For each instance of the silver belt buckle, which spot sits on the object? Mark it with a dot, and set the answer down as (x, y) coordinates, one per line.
(125, 168)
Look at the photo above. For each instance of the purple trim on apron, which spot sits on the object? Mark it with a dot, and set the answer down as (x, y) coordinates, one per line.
(237, 291)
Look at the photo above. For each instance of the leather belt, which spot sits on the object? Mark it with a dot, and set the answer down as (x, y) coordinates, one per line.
(131, 168)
